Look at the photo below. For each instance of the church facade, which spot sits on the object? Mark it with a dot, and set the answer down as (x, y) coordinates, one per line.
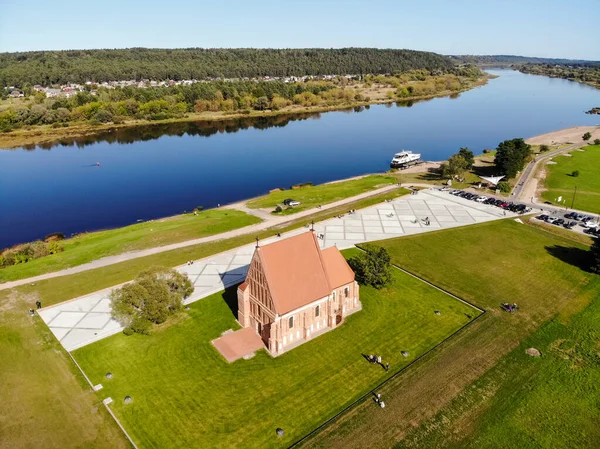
(294, 291)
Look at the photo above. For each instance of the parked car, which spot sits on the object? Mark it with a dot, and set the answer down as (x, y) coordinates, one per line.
(559, 222)
(291, 202)
(551, 220)
(542, 217)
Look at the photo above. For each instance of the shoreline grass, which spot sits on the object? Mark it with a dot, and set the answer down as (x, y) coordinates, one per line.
(58, 289)
(312, 196)
(87, 247)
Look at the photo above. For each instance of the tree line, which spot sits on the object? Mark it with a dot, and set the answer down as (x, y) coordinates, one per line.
(582, 73)
(226, 97)
(78, 66)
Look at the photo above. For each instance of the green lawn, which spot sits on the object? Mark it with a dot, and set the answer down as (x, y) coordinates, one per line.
(94, 245)
(185, 394)
(559, 181)
(487, 264)
(52, 291)
(44, 400)
(312, 196)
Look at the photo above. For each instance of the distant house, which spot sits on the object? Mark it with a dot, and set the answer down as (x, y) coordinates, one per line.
(52, 93)
(294, 291)
(15, 94)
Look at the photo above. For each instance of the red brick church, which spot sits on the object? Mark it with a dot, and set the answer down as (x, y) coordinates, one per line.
(294, 291)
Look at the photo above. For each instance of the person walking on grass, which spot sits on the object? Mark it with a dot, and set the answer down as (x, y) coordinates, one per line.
(387, 367)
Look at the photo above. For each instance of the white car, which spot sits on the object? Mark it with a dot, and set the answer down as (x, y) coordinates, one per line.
(551, 220)
(294, 203)
(590, 225)
(481, 199)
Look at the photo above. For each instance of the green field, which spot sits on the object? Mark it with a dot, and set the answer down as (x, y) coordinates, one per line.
(94, 245)
(475, 389)
(547, 402)
(312, 196)
(185, 394)
(44, 400)
(559, 181)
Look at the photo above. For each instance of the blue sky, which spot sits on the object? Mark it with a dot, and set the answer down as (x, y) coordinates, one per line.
(546, 28)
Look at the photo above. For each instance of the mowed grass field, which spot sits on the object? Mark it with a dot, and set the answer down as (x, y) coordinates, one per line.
(560, 182)
(94, 245)
(445, 399)
(312, 196)
(185, 394)
(44, 400)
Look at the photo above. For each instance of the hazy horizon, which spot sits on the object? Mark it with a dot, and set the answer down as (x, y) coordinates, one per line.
(537, 28)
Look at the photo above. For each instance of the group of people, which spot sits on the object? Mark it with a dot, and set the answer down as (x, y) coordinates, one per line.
(377, 359)
(427, 222)
(38, 304)
(351, 211)
(190, 262)
(378, 400)
(510, 307)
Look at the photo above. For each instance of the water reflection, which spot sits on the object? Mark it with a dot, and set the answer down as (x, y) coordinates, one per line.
(204, 128)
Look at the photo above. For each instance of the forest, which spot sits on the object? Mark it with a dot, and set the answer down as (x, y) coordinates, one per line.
(507, 60)
(124, 104)
(78, 66)
(587, 74)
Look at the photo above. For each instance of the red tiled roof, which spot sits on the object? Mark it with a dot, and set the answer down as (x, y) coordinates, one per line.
(338, 271)
(299, 273)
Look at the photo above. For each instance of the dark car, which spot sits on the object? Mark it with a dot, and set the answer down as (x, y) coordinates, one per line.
(559, 222)
(542, 217)
(570, 215)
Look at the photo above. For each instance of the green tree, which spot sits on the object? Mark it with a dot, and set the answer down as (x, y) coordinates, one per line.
(455, 166)
(373, 267)
(468, 156)
(511, 156)
(150, 299)
(544, 148)
(587, 136)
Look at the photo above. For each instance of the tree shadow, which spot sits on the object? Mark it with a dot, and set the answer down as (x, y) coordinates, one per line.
(577, 257)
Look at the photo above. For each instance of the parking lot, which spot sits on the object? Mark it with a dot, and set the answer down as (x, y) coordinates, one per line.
(574, 221)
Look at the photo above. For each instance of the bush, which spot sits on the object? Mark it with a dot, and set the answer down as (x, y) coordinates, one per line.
(278, 209)
(504, 187)
(54, 236)
(28, 251)
(150, 299)
(544, 148)
(596, 141)
(102, 116)
(128, 331)
(575, 173)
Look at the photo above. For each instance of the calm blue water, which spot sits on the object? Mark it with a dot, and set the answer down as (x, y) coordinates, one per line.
(162, 171)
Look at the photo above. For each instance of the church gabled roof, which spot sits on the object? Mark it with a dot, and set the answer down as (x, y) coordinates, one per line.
(299, 273)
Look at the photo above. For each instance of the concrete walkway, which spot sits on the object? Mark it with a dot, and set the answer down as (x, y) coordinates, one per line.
(269, 221)
(87, 319)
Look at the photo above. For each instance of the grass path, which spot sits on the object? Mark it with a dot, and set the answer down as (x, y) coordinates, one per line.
(185, 394)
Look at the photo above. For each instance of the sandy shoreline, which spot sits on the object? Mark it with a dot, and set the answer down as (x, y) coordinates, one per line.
(565, 136)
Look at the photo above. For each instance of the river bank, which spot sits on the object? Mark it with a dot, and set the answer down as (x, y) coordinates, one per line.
(44, 134)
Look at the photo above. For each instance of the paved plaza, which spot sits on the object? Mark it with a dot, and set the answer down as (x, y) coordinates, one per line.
(84, 320)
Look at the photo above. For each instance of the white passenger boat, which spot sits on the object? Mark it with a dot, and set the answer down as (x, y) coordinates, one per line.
(404, 159)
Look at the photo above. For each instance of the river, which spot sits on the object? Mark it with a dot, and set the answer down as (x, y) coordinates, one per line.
(156, 171)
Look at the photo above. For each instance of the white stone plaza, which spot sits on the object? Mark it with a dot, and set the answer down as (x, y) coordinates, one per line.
(85, 320)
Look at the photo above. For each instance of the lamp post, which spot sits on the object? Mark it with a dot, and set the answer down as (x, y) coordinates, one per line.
(574, 193)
